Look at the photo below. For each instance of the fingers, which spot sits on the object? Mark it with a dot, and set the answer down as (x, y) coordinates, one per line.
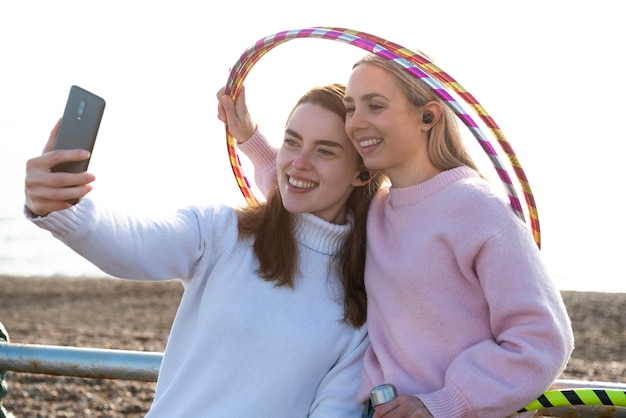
(226, 106)
(229, 112)
(235, 115)
(401, 407)
(43, 201)
(46, 191)
(39, 170)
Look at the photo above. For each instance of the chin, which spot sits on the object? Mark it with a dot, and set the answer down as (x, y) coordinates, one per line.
(373, 164)
(293, 207)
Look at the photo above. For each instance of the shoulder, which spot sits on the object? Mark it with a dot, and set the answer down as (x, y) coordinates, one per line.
(475, 193)
(214, 215)
(479, 203)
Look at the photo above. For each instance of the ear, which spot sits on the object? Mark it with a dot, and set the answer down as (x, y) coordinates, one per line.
(435, 110)
(363, 177)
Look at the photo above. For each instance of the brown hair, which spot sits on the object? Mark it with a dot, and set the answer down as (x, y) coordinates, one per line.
(446, 149)
(271, 226)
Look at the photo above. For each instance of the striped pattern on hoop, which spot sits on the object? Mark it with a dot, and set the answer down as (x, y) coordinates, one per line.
(575, 397)
(418, 66)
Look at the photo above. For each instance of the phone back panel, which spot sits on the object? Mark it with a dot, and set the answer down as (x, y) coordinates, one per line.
(79, 126)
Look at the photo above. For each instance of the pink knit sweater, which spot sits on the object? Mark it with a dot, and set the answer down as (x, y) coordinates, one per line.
(462, 310)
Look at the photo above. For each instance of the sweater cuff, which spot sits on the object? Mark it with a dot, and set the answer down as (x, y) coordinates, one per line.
(30, 215)
(447, 402)
(257, 150)
(63, 223)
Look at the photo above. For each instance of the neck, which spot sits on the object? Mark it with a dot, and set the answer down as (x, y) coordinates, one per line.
(411, 176)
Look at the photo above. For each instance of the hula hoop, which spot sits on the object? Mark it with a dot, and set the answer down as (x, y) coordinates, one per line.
(418, 66)
(578, 397)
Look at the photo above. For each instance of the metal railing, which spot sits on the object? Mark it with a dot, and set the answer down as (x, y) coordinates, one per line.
(80, 362)
(144, 366)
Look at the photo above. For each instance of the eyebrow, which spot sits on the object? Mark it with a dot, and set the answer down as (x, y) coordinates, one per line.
(324, 142)
(368, 96)
(293, 133)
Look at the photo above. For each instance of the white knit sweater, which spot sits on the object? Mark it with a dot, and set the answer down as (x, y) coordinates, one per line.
(239, 346)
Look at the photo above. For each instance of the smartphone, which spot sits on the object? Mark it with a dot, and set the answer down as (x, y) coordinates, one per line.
(79, 126)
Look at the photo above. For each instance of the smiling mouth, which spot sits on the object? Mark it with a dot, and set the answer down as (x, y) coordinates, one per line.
(301, 184)
(370, 142)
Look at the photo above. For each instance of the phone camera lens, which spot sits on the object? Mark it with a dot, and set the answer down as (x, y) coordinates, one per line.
(81, 108)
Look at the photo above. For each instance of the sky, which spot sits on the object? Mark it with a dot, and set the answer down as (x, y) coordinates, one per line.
(548, 72)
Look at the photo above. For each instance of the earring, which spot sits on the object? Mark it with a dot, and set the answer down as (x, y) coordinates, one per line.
(426, 127)
(364, 176)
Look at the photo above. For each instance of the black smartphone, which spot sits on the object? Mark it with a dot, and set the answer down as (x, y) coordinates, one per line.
(79, 126)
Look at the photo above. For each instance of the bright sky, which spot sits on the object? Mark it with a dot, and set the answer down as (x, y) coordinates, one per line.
(548, 72)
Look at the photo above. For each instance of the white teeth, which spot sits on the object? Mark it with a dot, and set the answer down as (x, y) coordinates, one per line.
(301, 184)
(370, 142)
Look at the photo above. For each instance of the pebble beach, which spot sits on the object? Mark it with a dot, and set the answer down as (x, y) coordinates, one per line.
(128, 315)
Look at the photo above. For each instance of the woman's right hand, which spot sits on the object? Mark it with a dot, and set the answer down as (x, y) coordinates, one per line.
(48, 191)
(403, 406)
(235, 115)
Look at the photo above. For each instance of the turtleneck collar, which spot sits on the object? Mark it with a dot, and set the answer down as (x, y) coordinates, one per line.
(319, 235)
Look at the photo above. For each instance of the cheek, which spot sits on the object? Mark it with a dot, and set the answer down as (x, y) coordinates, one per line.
(344, 175)
(281, 161)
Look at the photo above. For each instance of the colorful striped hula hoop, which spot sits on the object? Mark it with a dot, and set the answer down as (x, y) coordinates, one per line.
(420, 67)
(578, 398)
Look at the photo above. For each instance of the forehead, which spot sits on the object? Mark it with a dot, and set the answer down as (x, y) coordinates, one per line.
(370, 78)
(312, 117)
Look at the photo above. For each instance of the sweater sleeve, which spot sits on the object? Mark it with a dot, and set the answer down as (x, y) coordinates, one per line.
(532, 335)
(336, 396)
(263, 157)
(132, 247)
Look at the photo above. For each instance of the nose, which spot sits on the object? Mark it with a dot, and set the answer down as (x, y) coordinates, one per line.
(302, 160)
(354, 121)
